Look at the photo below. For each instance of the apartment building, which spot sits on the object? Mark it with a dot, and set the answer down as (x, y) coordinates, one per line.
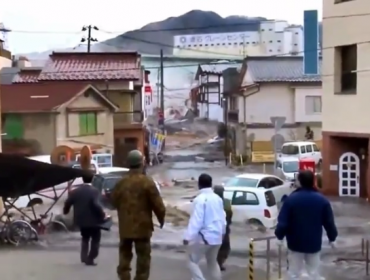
(346, 98)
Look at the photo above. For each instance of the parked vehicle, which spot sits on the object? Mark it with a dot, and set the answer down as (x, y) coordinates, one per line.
(281, 189)
(105, 182)
(288, 167)
(301, 150)
(253, 205)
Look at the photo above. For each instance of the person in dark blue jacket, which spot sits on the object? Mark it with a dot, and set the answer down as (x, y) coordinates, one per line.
(301, 220)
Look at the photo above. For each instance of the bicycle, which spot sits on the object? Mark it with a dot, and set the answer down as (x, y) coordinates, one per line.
(17, 232)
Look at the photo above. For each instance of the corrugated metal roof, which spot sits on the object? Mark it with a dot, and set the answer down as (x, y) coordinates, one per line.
(279, 69)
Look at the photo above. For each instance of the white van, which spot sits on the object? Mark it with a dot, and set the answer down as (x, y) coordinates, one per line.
(288, 166)
(301, 150)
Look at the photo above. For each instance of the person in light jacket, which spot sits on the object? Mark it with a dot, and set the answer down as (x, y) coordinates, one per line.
(205, 231)
(301, 221)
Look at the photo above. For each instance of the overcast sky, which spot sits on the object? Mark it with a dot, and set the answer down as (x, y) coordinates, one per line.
(40, 25)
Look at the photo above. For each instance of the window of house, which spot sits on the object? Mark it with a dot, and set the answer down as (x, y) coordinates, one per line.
(346, 81)
(313, 105)
(88, 123)
(13, 126)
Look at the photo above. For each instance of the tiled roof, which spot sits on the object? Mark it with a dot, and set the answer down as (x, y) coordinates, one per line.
(38, 97)
(92, 66)
(218, 68)
(27, 76)
(279, 69)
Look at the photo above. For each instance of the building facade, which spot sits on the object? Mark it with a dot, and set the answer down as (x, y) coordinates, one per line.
(272, 38)
(178, 76)
(273, 87)
(346, 80)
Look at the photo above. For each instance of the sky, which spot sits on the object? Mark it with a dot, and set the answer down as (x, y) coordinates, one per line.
(41, 25)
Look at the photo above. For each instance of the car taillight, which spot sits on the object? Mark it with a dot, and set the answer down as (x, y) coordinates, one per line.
(267, 213)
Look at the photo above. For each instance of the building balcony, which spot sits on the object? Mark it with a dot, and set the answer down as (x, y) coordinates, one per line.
(233, 116)
(5, 53)
(125, 119)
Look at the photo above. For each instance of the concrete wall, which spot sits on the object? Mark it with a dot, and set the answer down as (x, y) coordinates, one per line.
(346, 112)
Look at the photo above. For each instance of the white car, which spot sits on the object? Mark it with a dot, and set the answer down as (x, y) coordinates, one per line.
(253, 205)
(301, 150)
(215, 140)
(281, 189)
(288, 167)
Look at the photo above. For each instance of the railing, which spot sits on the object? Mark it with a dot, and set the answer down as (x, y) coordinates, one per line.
(5, 53)
(121, 119)
(233, 116)
(268, 239)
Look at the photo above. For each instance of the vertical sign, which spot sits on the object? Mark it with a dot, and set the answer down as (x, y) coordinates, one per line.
(311, 43)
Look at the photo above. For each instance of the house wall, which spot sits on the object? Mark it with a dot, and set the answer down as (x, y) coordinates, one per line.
(303, 112)
(67, 132)
(272, 100)
(353, 108)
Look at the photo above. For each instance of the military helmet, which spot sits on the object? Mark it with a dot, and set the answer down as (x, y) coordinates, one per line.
(135, 158)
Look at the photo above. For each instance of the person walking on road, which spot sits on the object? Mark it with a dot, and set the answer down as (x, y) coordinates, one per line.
(88, 215)
(205, 231)
(301, 220)
(135, 197)
(224, 251)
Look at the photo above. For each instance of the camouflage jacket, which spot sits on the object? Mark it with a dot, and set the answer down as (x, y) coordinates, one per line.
(135, 197)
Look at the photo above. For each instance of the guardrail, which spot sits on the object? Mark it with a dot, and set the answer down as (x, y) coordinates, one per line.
(268, 239)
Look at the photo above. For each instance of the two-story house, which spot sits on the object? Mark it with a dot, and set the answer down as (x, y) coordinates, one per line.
(346, 129)
(209, 103)
(272, 87)
(116, 76)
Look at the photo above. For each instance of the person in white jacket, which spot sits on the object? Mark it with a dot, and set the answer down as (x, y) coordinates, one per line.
(205, 231)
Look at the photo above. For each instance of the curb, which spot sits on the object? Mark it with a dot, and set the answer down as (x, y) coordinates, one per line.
(74, 243)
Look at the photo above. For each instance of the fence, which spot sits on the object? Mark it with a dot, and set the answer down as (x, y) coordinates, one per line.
(365, 256)
(251, 268)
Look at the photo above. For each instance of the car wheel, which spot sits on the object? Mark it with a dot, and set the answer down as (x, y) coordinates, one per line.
(256, 224)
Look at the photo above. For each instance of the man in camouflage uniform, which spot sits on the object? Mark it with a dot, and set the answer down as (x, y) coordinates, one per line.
(224, 251)
(135, 197)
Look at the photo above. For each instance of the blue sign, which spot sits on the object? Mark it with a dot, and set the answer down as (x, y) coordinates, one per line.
(311, 43)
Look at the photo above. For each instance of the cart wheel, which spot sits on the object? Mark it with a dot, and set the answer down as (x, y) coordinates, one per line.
(56, 227)
(20, 232)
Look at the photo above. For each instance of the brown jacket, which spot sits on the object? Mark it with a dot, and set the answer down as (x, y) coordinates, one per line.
(135, 197)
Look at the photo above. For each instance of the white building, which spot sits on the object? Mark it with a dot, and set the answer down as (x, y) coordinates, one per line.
(274, 87)
(272, 38)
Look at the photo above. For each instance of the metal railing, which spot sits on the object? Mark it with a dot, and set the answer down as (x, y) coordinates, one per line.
(365, 253)
(121, 119)
(251, 271)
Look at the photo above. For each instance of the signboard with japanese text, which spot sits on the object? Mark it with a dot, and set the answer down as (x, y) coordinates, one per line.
(220, 38)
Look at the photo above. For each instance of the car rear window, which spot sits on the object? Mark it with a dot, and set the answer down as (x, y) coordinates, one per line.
(270, 199)
(290, 150)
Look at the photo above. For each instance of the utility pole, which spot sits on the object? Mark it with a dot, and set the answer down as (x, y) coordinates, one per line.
(162, 90)
(89, 39)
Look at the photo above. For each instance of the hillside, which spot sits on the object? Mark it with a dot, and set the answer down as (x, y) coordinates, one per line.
(149, 40)
(159, 35)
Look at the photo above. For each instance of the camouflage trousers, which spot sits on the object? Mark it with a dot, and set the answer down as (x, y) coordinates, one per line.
(223, 253)
(143, 251)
